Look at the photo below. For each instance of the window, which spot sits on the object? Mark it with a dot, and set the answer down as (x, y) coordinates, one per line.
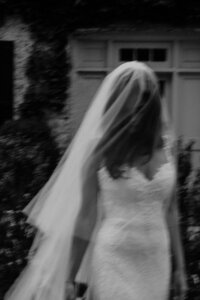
(143, 54)
(6, 80)
(126, 54)
(159, 54)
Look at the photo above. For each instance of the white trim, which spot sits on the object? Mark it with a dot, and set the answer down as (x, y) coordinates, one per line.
(171, 71)
(159, 70)
(139, 36)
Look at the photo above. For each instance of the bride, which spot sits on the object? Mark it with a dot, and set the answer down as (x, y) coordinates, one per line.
(108, 215)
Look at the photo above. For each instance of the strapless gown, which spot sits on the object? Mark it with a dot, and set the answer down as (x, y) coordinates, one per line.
(131, 255)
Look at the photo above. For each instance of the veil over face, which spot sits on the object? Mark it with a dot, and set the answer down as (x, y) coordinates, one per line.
(55, 208)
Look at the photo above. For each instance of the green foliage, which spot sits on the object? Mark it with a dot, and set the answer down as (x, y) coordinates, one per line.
(16, 237)
(28, 155)
(189, 205)
(47, 71)
(71, 14)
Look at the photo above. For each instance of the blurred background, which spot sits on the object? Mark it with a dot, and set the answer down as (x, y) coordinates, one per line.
(53, 57)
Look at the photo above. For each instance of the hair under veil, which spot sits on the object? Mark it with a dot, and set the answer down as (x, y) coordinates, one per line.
(55, 208)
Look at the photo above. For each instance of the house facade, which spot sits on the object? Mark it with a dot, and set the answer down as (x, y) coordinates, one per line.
(174, 54)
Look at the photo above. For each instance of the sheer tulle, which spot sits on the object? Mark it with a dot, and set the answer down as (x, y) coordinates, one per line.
(55, 208)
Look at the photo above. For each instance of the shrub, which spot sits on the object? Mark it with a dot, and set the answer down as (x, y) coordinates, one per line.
(28, 155)
(47, 71)
(189, 205)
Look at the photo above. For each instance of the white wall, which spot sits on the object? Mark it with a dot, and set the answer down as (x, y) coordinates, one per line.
(95, 55)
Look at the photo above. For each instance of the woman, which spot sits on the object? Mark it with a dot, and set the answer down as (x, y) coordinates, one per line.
(114, 192)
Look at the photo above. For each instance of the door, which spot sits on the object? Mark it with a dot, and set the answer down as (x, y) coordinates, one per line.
(6, 80)
(188, 109)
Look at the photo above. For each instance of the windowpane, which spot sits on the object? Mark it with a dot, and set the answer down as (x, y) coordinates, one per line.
(6, 80)
(143, 54)
(126, 54)
(159, 54)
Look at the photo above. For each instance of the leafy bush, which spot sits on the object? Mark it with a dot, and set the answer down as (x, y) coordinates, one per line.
(28, 155)
(96, 13)
(189, 205)
(47, 71)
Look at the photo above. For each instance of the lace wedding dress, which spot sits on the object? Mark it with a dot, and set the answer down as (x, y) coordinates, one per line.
(131, 256)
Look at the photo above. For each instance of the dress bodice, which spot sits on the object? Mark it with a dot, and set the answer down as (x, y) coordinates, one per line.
(134, 197)
(131, 254)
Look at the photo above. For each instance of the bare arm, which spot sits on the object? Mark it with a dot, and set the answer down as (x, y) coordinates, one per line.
(179, 276)
(175, 235)
(86, 219)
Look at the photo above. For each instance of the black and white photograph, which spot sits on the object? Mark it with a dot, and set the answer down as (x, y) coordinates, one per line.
(99, 150)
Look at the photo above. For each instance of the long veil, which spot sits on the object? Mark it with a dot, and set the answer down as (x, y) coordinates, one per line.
(55, 208)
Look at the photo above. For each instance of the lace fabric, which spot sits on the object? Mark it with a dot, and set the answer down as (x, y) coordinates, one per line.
(131, 257)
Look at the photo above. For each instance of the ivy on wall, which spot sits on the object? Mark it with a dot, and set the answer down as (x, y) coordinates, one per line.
(47, 72)
(28, 152)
